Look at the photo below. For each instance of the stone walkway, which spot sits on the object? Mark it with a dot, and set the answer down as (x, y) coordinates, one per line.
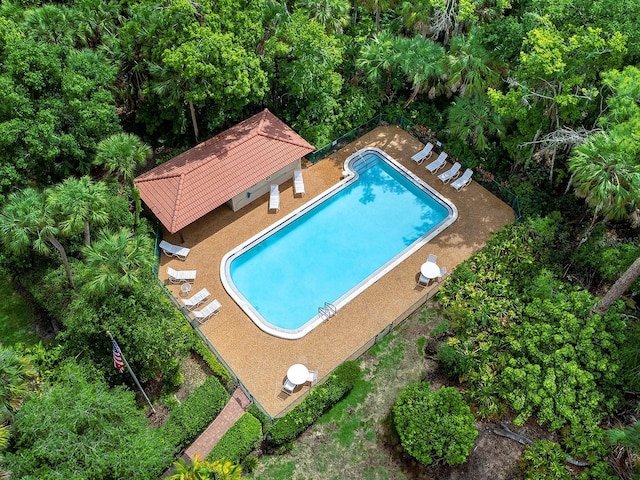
(203, 445)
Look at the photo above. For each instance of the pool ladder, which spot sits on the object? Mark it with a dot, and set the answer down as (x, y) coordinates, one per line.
(327, 310)
(362, 163)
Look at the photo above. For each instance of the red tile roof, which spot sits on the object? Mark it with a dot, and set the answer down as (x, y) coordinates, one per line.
(195, 182)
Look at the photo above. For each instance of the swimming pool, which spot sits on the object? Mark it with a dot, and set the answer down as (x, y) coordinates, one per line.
(334, 246)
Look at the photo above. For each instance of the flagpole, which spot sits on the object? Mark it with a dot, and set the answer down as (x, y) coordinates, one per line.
(133, 375)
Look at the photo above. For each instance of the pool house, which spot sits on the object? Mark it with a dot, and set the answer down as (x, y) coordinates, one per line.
(234, 168)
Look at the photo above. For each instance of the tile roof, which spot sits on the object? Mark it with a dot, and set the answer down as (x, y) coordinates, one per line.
(195, 182)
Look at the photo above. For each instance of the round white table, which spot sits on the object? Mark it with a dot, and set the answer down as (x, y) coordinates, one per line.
(185, 288)
(298, 374)
(430, 270)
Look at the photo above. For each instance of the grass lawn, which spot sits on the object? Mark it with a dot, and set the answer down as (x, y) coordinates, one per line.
(346, 441)
(16, 321)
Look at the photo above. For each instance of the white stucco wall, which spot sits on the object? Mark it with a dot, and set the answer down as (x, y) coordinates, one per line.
(256, 191)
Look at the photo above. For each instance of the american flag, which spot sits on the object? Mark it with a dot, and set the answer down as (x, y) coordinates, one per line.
(118, 361)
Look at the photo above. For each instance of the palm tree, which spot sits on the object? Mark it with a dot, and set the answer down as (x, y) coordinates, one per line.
(423, 61)
(332, 14)
(274, 15)
(606, 176)
(97, 18)
(203, 470)
(377, 7)
(51, 24)
(122, 153)
(16, 373)
(4, 441)
(417, 15)
(378, 58)
(27, 220)
(196, 470)
(80, 202)
(225, 470)
(473, 120)
(117, 261)
(471, 67)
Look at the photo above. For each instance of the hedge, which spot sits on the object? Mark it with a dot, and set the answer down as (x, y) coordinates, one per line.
(239, 441)
(320, 399)
(193, 415)
(216, 367)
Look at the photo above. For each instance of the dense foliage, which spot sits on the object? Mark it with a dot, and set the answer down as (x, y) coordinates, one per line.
(434, 426)
(239, 441)
(77, 427)
(545, 460)
(320, 399)
(527, 340)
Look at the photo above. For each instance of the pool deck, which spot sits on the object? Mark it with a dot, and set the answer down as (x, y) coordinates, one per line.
(260, 360)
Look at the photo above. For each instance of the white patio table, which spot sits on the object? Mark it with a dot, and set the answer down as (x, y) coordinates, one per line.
(298, 374)
(430, 270)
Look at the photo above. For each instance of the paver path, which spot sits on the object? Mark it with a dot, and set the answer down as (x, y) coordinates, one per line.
(203, 445)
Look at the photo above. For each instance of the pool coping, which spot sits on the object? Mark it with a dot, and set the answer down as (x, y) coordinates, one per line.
(350, 176)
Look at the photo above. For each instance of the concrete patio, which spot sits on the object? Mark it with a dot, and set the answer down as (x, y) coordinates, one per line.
(259, 360)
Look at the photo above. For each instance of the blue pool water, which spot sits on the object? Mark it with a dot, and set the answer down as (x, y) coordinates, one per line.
(334, 245)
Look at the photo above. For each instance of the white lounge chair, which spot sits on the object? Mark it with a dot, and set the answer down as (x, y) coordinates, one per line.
(288, 386)
(174, 250)
(211, 309)
(196, 299)
(432, 258)
(298, 183)
(180, 276)
(274, 198)
(422, 154)
(451, 173)
(438, 163)
(464, 180)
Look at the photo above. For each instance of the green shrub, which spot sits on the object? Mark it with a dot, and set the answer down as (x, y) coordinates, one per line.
(319, 400)
(249, 464)
(196, 412)
(240, 440)
(455, 357)
(434, 426)
(264, 419)
(545, 461)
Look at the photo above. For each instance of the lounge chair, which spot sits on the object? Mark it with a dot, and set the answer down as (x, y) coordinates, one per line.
(438, 163)
(274, 198)
(196, 299)
(422, 154)
(464, 180)
(174, 250)
(298, 183)
(288, 386)
(451, 173)
(313, 377)
(211, 309)
(432, 258)
(180, 276)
